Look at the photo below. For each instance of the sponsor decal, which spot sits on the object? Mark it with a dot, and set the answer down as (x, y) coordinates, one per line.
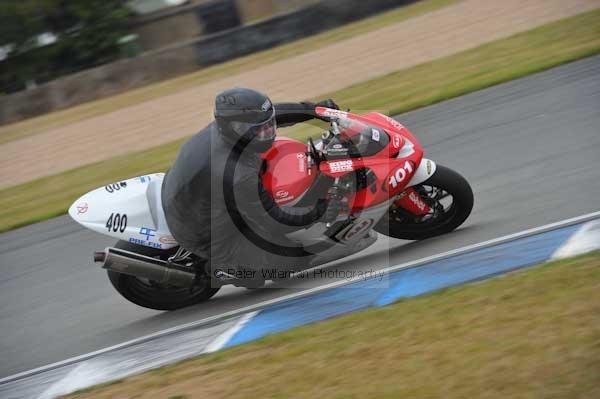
(359, 227)
(111, 188)
(288, 198)
(416, 199)
(334, 113)
(400, 174)
(396, 141)
(148, 232)
(395, 123)
(266, 105)
(428, 167)
(145, 243)
(337, 150)
(341, 166)
(167, 240)
(82, 208)
(116, 222)
(401, 195)
(282, 194)
(144, 179)
(375, 134)
(301, 162)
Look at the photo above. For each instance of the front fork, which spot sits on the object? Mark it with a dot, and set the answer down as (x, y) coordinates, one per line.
(411, 201)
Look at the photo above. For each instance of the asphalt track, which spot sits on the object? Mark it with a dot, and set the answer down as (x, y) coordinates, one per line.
(530, 148)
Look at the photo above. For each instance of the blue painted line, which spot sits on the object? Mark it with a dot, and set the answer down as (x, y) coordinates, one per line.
(482, 263)
(301, 311)
(458, 269)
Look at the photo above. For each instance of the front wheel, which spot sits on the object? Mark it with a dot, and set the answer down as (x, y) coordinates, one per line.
(150, 294)
(450, 198)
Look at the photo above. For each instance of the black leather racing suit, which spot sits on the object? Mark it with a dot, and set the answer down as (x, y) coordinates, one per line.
(200, 210)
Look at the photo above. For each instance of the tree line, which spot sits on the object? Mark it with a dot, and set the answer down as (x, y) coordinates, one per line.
(45, 39)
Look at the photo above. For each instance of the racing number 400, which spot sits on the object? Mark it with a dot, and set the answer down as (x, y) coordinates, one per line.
(401, 174)
(116, 222)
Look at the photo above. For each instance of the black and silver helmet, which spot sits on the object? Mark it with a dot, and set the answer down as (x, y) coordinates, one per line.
(246, 115)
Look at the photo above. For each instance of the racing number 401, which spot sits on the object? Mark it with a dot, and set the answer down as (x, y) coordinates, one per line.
(401, 174)
(116, 222)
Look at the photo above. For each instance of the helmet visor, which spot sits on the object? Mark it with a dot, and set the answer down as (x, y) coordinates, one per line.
(263, 131)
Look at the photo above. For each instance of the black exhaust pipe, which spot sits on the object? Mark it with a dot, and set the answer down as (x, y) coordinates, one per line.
(99, 256)
(137, 265)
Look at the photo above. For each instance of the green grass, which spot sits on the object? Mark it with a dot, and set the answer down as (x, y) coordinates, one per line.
(487, 65)
(530, 334)
(102, 106)
(490, 64)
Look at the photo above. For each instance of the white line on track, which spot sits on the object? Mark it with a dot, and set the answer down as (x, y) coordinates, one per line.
(222, 339)
(261, 305)
(585, 239)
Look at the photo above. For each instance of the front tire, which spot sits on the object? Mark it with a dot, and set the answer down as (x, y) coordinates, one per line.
(149, 294)
(444, 185)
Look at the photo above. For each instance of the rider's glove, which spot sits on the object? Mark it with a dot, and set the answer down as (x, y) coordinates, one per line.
(329, 103)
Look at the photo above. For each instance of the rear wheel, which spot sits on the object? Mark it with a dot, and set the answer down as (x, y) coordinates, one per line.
(450, 198)
(150, 294)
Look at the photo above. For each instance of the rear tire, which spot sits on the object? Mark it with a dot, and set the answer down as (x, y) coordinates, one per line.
(156, 296)
(397, 223)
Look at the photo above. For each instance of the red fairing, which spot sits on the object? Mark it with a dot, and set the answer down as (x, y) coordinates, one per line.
(287, 176)
(393, 172)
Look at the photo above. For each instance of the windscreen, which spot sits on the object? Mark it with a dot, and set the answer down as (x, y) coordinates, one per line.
(363, 139)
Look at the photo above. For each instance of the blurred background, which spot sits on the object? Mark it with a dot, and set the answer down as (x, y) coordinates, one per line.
(505, 92)
(41, 41)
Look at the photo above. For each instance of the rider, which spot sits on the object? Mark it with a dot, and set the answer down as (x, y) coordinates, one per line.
(214, 184)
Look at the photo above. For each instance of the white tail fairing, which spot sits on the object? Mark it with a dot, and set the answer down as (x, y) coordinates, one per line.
(130, 210)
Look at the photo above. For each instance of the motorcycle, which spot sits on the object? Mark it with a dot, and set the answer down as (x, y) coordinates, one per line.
(370, 168)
